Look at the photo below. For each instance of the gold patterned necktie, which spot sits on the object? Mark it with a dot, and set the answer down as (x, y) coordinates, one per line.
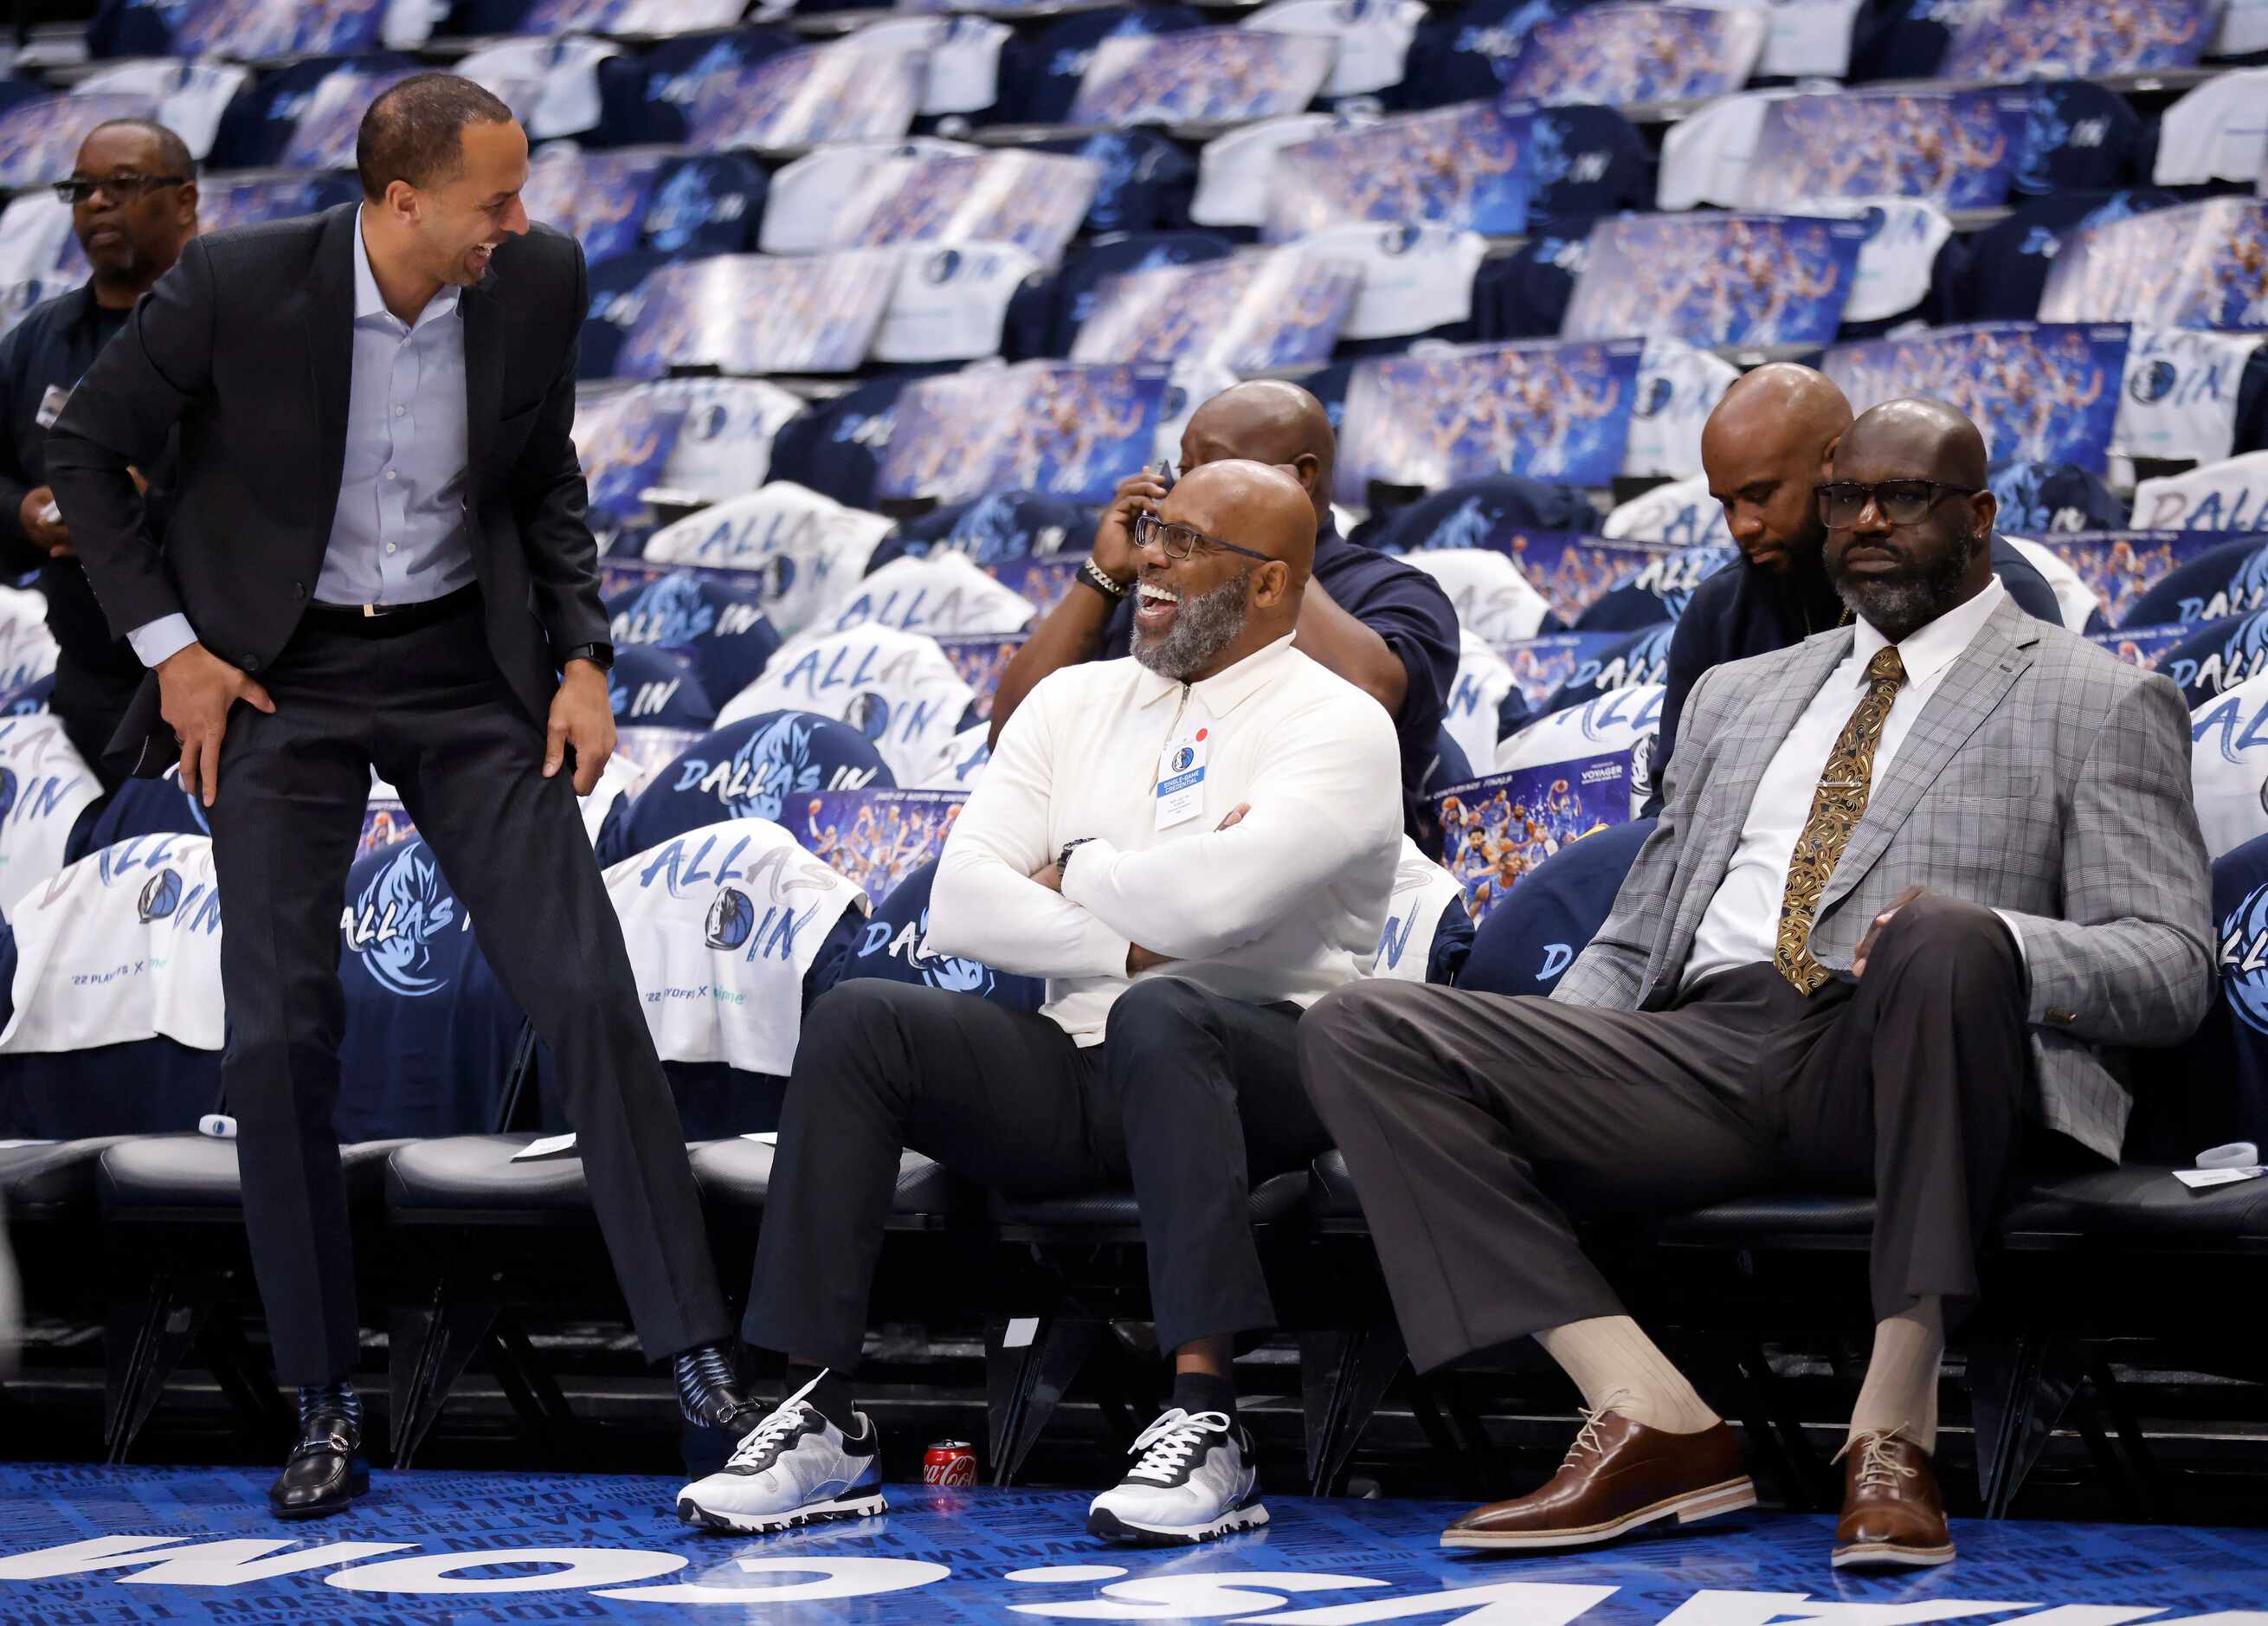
(1837, 807)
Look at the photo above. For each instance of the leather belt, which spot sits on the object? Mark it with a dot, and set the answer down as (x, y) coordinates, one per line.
(391, 620)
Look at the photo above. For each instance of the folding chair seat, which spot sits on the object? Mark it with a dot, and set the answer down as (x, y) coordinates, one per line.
(49, 1179)
(500, 1234)
(734, 1176)
(2140, 1207)
(490, 1235)
(1081, 1272)
(173, 1176)
(172, 1208)
(1332, 1204)
(2110, 1253)
(473, 1177)
(1775, 1221)
(1114, 1216)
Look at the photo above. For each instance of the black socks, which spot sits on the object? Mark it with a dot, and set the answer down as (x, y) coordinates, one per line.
(1196, 1391)
(830, 1397)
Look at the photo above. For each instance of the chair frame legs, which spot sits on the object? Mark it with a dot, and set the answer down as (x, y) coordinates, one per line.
(148, 1339)
(1026, 1382)
(1345, 1373)
(433, 1345)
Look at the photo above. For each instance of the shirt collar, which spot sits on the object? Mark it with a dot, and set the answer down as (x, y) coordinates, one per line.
(83, 311)
(370, 302)
(1927, 652)
(1224, 692)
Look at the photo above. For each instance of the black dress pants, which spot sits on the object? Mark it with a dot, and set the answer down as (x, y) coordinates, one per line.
(429, 710)
(1477, 1128)
(1191, 1097)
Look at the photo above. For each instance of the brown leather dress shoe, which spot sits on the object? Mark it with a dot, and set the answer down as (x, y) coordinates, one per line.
(1618, 1474)
(1893, 1513)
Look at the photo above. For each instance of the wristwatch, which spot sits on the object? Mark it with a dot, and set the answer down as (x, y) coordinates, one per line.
(1099, 579)
(601, 655)
(1063, 859)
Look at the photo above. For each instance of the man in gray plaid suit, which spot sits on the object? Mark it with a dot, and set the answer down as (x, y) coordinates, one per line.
(1908, 874)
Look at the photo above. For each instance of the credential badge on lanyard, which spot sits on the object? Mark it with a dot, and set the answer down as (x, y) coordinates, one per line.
(1181, 770)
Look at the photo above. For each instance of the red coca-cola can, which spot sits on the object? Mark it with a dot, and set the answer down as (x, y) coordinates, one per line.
(949, 1462)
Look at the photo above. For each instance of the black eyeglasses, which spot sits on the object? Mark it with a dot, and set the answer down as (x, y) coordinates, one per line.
(1901, 502)
(125, 188)
(1178, 542)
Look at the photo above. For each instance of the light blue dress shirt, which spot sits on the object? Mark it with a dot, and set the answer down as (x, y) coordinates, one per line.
(401, 532)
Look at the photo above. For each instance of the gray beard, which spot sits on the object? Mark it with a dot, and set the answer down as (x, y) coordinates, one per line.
(1207, 623)
(1897, 607)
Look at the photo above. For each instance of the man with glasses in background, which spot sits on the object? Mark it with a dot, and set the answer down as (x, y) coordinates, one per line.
(133, 197)
(1911, 872)
(1191, 846)
(1768, 442)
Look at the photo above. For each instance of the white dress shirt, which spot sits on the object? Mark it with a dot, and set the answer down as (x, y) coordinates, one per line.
(398, 536)
(1286, 905)
(1741, 924)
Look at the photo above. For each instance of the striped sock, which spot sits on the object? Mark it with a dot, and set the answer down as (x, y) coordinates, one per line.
(337, 1398)
(704, 1373)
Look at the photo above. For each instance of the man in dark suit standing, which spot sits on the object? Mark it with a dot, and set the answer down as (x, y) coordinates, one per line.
(378, 556)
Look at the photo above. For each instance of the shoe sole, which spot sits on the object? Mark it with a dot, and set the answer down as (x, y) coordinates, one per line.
(1886, 1556)
(757, 1524)
(1107, 1525)
(358, 1485)
(1729, 1498)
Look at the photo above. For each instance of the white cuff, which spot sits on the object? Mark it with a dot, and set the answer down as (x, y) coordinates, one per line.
(2016, 935)
(159, 641)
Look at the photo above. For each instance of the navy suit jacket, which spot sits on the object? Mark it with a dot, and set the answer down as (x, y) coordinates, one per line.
(246, 347)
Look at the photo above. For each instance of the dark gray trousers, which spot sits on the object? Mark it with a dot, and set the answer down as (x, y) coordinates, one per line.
(1478, 1129)
(1191, 1097)
(429, 707)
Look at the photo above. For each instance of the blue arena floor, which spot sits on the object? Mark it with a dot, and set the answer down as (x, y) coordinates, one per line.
(433, 1548)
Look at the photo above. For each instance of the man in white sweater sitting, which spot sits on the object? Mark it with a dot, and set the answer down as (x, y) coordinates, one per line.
(1191, 846)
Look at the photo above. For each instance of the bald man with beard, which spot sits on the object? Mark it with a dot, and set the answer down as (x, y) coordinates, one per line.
(1377, 622)
(1912, 872)
(1767, 444)
(1191, 846)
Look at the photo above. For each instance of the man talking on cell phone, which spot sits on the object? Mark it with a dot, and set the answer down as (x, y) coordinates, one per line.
(377, 556)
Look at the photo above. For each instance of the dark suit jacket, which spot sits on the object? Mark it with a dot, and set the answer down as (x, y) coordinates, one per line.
(247, 345)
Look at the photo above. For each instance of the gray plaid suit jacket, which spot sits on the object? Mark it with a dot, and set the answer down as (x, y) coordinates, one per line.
(2043, 778)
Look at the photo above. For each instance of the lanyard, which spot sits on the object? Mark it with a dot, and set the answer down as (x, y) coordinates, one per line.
(1170, 729)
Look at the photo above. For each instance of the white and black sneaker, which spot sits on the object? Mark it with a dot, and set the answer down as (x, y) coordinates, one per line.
(794, 1468)
(1195, 1482)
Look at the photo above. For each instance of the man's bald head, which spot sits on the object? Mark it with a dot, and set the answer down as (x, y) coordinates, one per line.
(1765, 447)
(1936, 440)
(1267, 421)
(1784, 399)
(1253, 504)
(1238, 589)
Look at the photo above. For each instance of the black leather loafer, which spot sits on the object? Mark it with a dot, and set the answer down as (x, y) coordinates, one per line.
(324, 1473)
(706, 1445)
